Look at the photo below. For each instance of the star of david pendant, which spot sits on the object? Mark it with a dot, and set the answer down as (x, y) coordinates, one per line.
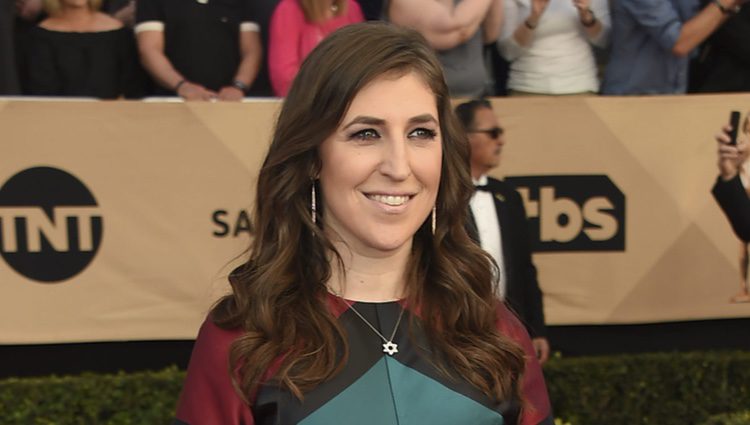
(390, 348)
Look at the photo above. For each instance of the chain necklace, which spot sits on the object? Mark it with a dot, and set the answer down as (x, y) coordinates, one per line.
(389, 347)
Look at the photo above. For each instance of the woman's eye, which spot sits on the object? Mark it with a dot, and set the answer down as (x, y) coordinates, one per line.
(423, 133)
(366, 134)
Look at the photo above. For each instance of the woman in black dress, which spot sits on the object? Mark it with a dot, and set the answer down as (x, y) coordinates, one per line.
(79, 51)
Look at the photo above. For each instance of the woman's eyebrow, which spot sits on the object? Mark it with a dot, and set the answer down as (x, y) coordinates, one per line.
(363, 119)
(368, 120)
(421, 119)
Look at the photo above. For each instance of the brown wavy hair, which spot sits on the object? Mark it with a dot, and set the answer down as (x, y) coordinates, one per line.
(279, 295)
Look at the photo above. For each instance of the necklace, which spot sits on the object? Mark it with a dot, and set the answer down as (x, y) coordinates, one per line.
(334, 8)
(389, 347)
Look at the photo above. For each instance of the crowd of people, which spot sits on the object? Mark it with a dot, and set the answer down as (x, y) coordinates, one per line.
(226, 50)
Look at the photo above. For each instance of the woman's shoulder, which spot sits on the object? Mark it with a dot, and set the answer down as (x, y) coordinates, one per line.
(510, 325)
(208, 395)
(214, 340)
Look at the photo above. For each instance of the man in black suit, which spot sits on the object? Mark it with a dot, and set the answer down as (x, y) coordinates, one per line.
(498, 222)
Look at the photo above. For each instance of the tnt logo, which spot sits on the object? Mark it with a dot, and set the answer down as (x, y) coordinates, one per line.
(50, 224)
(573, 213)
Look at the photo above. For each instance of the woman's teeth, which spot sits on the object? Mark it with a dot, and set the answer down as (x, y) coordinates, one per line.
(391, 200)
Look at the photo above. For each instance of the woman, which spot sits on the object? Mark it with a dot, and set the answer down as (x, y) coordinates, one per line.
(457, 30)
(365, 301)
(297, 26)
(79, 51)
(733, 195)
(549, 45)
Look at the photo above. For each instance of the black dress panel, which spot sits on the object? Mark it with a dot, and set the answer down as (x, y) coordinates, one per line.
(377, 388)
(88, 64)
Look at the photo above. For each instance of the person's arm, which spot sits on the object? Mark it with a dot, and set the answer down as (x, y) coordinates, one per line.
(728, 189)
(592, 26)
(600, 37)
(731, 157)
(149, 30)
(518, 27)
(284, 57)
(493, 22)
(443, 25)
(662, 22)
(151, 50)
(251, 53)
(697, 29)
(532, 299)
(524, 33)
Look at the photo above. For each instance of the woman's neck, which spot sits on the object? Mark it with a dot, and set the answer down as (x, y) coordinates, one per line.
(369, 278)
(77, 18)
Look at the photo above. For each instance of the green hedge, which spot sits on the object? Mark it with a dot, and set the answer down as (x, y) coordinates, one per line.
(658, 389)
(739, 418)
(124, 399)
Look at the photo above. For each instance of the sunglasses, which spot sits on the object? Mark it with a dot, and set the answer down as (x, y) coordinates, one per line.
(494, 132)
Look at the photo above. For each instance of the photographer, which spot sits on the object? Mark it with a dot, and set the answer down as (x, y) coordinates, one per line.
(731, 192)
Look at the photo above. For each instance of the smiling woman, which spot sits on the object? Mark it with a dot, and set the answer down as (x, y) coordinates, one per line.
(380, 172)
(364, 300)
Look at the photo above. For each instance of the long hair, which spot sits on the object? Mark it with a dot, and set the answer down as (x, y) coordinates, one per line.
(279, 296)
(316, 10)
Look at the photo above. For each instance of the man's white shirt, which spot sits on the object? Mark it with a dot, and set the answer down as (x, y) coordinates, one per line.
(488, 228)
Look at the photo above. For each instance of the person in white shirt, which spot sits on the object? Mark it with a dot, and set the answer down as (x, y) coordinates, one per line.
(549, 45)
(497, 220)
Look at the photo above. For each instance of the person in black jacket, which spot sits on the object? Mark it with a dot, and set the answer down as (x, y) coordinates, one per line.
(723, 64)
(730, 192)
(498, 222)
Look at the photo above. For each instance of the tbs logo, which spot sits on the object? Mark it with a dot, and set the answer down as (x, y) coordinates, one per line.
(50, 224)
(573, 213)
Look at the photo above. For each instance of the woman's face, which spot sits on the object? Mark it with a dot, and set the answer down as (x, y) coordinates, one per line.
(380, 168)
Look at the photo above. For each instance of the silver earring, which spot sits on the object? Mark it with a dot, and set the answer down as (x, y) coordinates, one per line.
(313, 206)
(434, 218)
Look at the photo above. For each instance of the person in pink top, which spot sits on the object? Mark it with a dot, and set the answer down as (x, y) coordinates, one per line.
(297, 26)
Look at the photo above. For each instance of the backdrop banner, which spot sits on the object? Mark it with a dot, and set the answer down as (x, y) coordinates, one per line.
(121, 220)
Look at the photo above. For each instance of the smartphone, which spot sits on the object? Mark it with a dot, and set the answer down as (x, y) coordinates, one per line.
(734, 121)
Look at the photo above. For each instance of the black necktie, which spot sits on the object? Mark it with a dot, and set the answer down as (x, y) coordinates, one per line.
(483, 188)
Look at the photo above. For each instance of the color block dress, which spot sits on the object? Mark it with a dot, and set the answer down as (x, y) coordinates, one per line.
(373, 388)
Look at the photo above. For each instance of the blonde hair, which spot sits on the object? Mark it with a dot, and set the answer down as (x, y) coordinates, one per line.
(53, 7)
(316, 10)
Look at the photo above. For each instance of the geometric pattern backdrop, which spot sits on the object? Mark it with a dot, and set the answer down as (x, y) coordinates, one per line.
(131, 214)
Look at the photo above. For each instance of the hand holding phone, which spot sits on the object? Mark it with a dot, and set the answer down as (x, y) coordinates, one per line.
(734, 121)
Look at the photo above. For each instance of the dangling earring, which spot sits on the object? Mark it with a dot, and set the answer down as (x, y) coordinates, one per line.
(313, 207)
(434, 218)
